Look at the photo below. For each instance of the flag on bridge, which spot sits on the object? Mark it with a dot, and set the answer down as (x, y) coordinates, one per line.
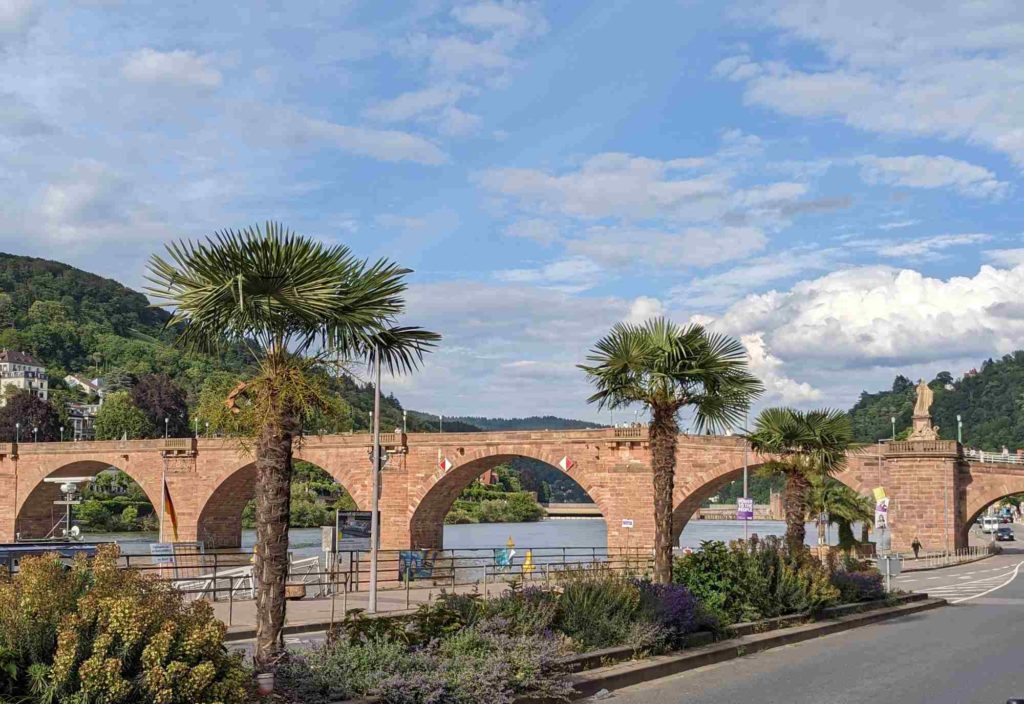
(169, 512)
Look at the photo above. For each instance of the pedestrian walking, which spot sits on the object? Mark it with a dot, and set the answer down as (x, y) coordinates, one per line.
(916, 547)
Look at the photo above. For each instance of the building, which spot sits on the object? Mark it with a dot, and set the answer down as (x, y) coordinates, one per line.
(82, 417)
(22, 371)
(93, 387)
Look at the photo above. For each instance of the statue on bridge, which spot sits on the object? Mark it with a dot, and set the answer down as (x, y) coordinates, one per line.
(922, 419)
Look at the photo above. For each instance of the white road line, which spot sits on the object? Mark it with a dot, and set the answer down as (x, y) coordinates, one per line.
(989, 591)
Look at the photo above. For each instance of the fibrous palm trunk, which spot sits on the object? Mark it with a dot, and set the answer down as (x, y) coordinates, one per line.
(664, 430)
(273, 496)
(794, 501)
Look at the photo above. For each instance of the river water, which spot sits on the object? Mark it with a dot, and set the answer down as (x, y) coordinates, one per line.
(558, 533)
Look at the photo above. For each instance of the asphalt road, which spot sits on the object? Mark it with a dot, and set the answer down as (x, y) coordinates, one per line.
(968, 653)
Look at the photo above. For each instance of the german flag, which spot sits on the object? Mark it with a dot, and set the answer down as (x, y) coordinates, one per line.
(169, 512)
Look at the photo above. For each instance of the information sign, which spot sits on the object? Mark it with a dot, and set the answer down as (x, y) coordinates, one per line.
(744, 509)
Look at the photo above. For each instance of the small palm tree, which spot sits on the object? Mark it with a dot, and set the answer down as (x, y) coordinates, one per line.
(804, 445)
(842, 505)
(294, 303)
(667, 367)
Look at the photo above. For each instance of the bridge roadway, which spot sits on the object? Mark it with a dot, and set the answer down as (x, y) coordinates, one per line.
(966, 653)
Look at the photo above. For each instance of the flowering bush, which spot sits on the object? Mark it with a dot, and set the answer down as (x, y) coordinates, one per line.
(99, 634)
(675, 609)
(863, 585)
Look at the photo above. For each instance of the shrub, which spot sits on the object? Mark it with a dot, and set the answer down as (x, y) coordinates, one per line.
(675, 609)
(857, 586)
(528, 611)
(99, 634)
(599, 608)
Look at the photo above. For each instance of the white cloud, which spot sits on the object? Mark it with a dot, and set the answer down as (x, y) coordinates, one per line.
(929, 246)
(779, 388)
(689, 247)
(954, 71)
(898, 224)
(16, 17)
(416, 103)
(1006, 257)
(881, 316)
(922, 171)
(180, 68)
(385, 145)
(516, 18)
(575, 274)
(644, 308)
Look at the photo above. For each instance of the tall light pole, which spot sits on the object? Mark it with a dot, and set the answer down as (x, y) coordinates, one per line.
(440, 423)
(375, 487)
(167, 427)
(405, 422)
(892, 420)
(959, 429)
(35, 434)
(197, 427)
(207, 430)
(62, 433)
(17, 433)
(745, 488)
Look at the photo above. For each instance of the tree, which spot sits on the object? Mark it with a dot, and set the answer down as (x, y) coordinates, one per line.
(667, 367)
(119, 417)
(159, 398)
(25, 408)
(843, 506)
(803, 445)
(118, 379)
(295, 304)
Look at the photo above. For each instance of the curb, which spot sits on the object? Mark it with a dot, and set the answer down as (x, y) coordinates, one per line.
(639, 671)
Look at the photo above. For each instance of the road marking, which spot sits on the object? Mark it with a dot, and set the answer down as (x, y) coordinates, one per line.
(1012, 577)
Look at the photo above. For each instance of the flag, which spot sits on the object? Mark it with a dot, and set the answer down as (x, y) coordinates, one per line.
(528, 565)
(169, 512)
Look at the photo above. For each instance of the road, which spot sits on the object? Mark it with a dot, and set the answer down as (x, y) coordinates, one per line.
(965, 653)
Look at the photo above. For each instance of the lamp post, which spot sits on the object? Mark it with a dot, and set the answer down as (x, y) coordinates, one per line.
(17, 433)
(440, 423)
(745, 494)
(892, 420)
(207, 429)
(405, 422)
(167, 427)
(371, 606)
(959, 429)
(62, 433)
(35, 434)
(197, 428)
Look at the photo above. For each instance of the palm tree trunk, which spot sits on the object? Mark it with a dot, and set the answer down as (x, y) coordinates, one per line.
(664, 430)
(273, 497)
(794, 502)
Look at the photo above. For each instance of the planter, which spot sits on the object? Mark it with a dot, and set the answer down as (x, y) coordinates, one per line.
(265, 683)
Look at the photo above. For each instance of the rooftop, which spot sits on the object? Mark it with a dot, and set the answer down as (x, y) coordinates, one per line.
(15, 357)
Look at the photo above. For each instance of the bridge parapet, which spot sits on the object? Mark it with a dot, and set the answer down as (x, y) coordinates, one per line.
(933, 448)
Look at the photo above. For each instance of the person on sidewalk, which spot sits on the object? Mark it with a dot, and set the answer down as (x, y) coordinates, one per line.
(916, 547)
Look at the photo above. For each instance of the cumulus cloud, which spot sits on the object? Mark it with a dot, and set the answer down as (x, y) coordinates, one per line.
(178, 68)
(644, 308)
(779, 388)
(953, 72)
(922, 171)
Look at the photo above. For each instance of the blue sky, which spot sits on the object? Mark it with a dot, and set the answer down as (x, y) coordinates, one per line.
(835, 183)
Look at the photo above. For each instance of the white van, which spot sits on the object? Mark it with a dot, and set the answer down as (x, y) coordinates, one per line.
(989, 524)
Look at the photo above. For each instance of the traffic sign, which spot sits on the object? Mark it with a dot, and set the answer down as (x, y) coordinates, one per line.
(566, 463)
(627, 522)
(445, 464)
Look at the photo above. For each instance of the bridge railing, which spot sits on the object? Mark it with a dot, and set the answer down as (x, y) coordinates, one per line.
(933, 560)
(997, 457)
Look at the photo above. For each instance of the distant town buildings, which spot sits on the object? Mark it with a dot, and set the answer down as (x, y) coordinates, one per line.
(89, 386)
(22, 371)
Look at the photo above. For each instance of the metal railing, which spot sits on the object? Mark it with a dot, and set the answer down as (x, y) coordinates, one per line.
(413, 576)
(1000, 457)
(930, 560)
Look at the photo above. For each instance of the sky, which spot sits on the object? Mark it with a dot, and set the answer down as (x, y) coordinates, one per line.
(836, 184)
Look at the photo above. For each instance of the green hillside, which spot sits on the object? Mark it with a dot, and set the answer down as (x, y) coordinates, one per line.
(990, 400)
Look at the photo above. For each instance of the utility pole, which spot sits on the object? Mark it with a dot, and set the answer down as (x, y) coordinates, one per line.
(375, 490)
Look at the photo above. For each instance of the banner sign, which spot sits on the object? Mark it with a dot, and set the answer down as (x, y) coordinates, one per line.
(162, 553)
(882, 514)
(418, 564)
(353, 528)
(503, 557)
(744, 509)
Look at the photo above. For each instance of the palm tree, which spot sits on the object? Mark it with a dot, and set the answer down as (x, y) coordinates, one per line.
(294, 303)
(843, 506)
(804, 444)
(668, 367)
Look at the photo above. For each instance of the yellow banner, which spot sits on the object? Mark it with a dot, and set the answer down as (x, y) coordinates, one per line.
(879, 493)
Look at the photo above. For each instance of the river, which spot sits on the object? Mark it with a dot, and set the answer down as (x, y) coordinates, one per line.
(575, 533)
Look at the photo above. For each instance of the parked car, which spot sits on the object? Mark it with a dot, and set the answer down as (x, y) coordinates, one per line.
(1004, 533)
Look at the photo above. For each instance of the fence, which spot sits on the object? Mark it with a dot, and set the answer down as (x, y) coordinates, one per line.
(409, 576)
(931, 560)
(1001, 457)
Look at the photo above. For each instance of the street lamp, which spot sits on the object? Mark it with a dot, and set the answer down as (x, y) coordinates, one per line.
(17, 433)
(405, 422)
(62, 433)
(207, 429)
(35, 434)
(959, 429)
(893, 421)
(167, 427)
(375, 488)
(197, 427)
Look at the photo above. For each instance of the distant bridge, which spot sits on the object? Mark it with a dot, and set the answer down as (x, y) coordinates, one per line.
(936, 490)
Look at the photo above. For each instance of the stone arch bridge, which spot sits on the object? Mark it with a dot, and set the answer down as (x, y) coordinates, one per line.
(935, 490)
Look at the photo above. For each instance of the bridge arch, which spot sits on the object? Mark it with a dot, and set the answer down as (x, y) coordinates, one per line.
(982, 489)
(219, 520)
(36, 513)
(435, 496)
(692, 494)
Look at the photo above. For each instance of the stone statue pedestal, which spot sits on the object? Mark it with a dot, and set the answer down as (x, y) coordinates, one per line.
(922, 428)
